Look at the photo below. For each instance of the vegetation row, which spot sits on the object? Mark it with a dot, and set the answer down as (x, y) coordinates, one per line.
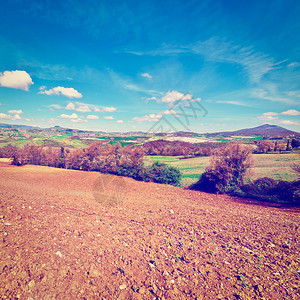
(102, 157)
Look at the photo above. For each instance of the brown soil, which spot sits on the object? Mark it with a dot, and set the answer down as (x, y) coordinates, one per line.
(161, 242)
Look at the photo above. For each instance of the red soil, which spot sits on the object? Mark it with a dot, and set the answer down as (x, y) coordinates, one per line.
(161, 242)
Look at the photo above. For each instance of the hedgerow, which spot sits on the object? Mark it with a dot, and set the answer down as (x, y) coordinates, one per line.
(101, 157)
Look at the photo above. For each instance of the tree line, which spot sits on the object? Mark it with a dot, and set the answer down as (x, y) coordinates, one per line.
(100, 156)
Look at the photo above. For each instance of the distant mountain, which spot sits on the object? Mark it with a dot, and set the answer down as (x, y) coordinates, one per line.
(11, 126)
(265, 130)
(70, 130)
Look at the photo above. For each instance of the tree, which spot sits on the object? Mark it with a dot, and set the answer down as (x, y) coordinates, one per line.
(287, 145)
(227, 170)
(265, 146)
(295, 144)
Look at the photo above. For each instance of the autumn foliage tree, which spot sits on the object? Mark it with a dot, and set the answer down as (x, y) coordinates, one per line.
(265, 146)
(101, 157)
(227, 169)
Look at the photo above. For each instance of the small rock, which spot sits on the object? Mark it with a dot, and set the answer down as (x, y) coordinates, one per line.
(171, 211)
(29, 207)
(142, 290)
(122, 286)
(165, 273)
(94, 272)
(172, 281)
(31, 284)
(59, 253)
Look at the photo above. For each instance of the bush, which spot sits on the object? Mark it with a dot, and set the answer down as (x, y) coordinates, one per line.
(161, 173)
(227, 169)
(268, 189)
(261, 186)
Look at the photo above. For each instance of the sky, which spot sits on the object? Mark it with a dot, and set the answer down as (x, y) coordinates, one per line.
(157, 66)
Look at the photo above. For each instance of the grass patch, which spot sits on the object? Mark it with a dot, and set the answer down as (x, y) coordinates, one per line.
(276, 166)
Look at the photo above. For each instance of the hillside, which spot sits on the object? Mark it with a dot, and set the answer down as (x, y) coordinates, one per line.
(59, 241)
(263, 130)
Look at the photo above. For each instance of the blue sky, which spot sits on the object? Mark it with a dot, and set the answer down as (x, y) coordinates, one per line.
(203, 66)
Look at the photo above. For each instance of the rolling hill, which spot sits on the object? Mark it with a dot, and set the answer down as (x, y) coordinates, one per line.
(266, 130)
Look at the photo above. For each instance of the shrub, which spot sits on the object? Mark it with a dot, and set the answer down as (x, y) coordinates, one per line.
(227, 169)
(261, 186)
(161, 173)
(265, 146)
(268, 189)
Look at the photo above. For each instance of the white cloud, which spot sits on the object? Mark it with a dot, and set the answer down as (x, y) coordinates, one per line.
(72, 116)
(41, 88)
(52, 120)
(234, 103)
(109, 109)
(288, 122)
(56, 106)
(20, 80)
(271, 96)
(291, 112)
(146, 75)
(5, 116)
(172, 96)
(70, 106)
(216, 49)
(78, 120)
(10, 117)
(29, 120)
(83, 108)
(92, 117)
(134, 87)
(59, 90)
(270, 114)
(169, 112)
(293, 65)
(196, 99)
(108, 117)
(15, 112)
(16, 117)
(267, 118)
(147, 118)
(151, 98)
(120, 121)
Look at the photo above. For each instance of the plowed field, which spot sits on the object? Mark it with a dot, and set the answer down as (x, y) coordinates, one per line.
(59, 240)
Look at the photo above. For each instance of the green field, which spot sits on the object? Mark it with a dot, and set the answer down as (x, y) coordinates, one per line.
(277, 166)
(191, 168)
(20, 139)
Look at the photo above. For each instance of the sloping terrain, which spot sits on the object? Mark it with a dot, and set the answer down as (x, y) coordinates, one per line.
(59, 240)
(263, 130)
